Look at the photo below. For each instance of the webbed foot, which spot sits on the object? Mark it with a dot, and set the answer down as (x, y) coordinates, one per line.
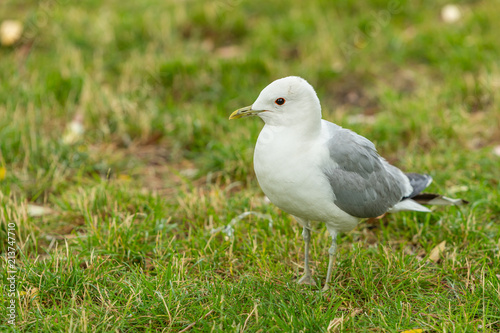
(307, 279)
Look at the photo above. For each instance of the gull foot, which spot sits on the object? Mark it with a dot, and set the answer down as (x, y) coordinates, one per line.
(307, 279)
(325, 288)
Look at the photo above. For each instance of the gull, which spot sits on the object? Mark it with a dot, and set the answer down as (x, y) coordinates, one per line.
(318, 171)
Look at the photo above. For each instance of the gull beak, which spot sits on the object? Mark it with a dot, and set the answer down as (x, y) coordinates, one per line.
(244, 112)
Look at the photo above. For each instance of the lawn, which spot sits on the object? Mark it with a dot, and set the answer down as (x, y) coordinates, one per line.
(119, 168)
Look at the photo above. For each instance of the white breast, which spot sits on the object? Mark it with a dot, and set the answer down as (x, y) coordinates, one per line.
(289, 172)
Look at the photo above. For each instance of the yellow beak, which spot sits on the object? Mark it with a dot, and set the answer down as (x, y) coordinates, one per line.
(244, 112)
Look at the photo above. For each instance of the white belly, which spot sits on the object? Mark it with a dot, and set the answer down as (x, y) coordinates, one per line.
(289, 175)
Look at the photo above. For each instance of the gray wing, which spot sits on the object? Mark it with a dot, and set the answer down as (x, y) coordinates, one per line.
(363, 183)
(419, 182)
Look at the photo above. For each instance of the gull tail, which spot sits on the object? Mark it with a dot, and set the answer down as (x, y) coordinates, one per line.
(416, 199)
(437, 199)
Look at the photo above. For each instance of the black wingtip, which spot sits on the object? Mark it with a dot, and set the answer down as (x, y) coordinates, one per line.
(437, 199)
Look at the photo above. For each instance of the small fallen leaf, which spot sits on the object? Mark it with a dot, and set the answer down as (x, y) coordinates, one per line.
(416, 330)
(10, 32)
(3, 173)
(436, 252)
(35, 210)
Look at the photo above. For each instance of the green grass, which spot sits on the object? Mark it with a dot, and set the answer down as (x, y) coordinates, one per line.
(127, 243)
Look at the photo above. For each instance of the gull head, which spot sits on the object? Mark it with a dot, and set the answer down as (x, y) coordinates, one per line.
(287, 101)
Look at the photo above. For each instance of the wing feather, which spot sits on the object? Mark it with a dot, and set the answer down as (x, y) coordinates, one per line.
(364, 184)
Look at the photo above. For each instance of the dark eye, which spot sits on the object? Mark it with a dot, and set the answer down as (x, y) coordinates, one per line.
(280, 101)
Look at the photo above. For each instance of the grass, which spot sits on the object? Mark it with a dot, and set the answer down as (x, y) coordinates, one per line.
(124, 241)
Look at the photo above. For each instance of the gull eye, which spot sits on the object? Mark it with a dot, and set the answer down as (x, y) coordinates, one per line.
(280, 101)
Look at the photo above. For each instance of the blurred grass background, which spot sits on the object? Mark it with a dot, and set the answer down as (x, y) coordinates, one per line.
(114, 225)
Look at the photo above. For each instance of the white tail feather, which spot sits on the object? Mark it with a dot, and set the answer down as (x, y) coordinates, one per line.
(409, 204)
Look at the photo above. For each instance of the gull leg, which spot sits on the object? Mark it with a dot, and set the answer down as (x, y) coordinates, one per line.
(331, 254)
(307, 277)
